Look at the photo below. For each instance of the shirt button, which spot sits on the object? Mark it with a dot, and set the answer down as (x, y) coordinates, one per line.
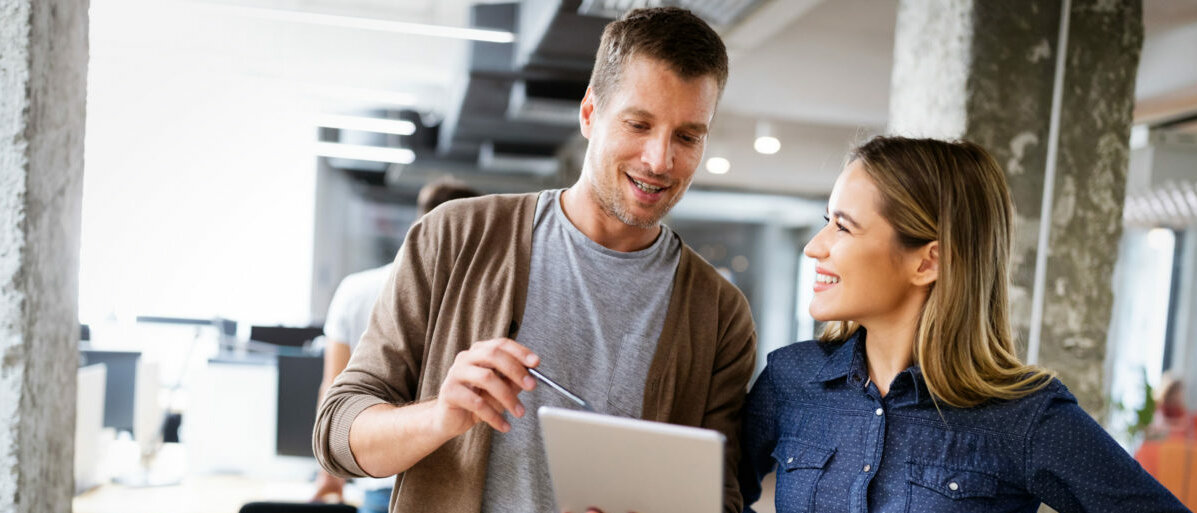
(953, 486)
(868, 467)
(789, 460)
(879, 412)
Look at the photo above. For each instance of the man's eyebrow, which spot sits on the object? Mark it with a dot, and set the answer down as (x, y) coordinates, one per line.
(841, 215)
(698, 128)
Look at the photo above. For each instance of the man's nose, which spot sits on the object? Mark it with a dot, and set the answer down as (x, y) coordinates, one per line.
(658, 154)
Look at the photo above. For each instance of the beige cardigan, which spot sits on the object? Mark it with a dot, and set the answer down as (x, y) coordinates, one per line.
(462, 276)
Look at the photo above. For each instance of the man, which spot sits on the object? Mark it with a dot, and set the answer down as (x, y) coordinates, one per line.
(585, 284)
(348, 315)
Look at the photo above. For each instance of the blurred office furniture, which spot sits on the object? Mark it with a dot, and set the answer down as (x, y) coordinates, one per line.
(226, 332)
(298, 389)
(284, 336)
(194, 494)
(119, 385)
(296, 507)
(91, 440)
(84, 333)
(233, 418)
(230, 422)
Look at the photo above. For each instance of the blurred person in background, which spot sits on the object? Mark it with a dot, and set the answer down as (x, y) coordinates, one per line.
(1171, 419)
(348, 316)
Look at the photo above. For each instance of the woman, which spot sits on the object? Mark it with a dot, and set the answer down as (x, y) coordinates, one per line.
(914, 399)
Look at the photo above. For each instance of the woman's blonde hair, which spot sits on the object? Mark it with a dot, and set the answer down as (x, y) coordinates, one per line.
(954, 193)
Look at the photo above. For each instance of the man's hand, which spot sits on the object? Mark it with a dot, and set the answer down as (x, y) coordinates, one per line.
(483, 383)
(328, 484)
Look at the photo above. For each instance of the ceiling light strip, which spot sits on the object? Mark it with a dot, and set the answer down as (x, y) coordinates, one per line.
(382, 126)
(361, 152)
(353, 22)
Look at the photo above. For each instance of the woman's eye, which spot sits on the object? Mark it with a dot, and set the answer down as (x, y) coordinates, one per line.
(838, 226)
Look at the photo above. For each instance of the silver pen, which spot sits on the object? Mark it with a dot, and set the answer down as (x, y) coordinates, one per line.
(560, 389)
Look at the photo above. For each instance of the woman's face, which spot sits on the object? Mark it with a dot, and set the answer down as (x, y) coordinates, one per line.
(863, 274)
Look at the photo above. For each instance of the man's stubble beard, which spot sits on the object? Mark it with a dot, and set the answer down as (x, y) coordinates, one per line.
(612, 202)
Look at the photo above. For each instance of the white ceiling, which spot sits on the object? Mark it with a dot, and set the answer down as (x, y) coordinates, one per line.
(820, 68)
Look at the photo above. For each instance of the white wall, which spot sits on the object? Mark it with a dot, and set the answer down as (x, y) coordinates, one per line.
(199, 193)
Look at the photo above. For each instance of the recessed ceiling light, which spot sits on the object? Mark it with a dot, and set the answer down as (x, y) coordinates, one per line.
(718, 165)
(765, 142)
(767, 145)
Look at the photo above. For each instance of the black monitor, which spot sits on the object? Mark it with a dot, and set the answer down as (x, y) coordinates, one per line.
(284, 336)
(120, 388)
(298, 389)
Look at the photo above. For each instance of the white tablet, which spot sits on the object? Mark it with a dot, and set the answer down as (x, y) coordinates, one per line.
(619, 464)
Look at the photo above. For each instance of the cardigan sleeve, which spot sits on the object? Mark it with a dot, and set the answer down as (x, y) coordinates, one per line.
(735, 362)
(758, 438)
(385, 366)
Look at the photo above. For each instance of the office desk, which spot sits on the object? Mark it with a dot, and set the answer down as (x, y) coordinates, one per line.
(195, 494)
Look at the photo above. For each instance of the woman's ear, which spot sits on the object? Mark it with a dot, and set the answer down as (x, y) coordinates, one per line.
(928, 264)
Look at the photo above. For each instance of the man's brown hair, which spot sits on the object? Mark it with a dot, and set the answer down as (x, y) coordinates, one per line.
(672, 35)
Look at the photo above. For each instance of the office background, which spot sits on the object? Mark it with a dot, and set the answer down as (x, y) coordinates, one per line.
(232, 175)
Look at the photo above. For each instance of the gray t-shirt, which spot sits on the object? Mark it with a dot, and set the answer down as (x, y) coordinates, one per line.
(593, 315)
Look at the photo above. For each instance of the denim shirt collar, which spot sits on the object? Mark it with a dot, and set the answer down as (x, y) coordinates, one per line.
(849, 361)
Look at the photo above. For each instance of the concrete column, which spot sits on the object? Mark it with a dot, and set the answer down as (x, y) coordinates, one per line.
(43, 78)
(1059, 123)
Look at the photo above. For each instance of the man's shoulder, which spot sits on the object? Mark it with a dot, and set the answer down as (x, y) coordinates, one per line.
(707, 278)
(494, 206)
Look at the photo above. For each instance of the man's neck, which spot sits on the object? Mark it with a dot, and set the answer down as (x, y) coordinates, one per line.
(582, 209)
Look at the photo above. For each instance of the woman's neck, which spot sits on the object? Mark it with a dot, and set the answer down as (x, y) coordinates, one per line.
(889, 347)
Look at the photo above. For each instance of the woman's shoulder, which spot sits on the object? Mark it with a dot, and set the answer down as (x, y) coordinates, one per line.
(805, 351)
(1016, 416)
(802, 358)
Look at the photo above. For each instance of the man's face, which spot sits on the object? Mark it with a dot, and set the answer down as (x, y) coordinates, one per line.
(646, 140)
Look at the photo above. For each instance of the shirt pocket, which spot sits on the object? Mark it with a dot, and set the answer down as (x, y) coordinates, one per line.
(939, 488)
(629, 373)
(800, 464)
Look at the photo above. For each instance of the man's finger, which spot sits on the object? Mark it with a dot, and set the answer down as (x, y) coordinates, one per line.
(487, 381)
(469, 400)
(508, 358)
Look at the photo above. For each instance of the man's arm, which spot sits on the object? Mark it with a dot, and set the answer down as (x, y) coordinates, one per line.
(368, 424)
(480, 386)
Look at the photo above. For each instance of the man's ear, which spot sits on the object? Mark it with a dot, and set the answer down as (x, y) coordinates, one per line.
(928, 264)
(586, 113)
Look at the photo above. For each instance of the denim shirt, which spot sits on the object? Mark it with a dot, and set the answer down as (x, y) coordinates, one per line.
(838, 445)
